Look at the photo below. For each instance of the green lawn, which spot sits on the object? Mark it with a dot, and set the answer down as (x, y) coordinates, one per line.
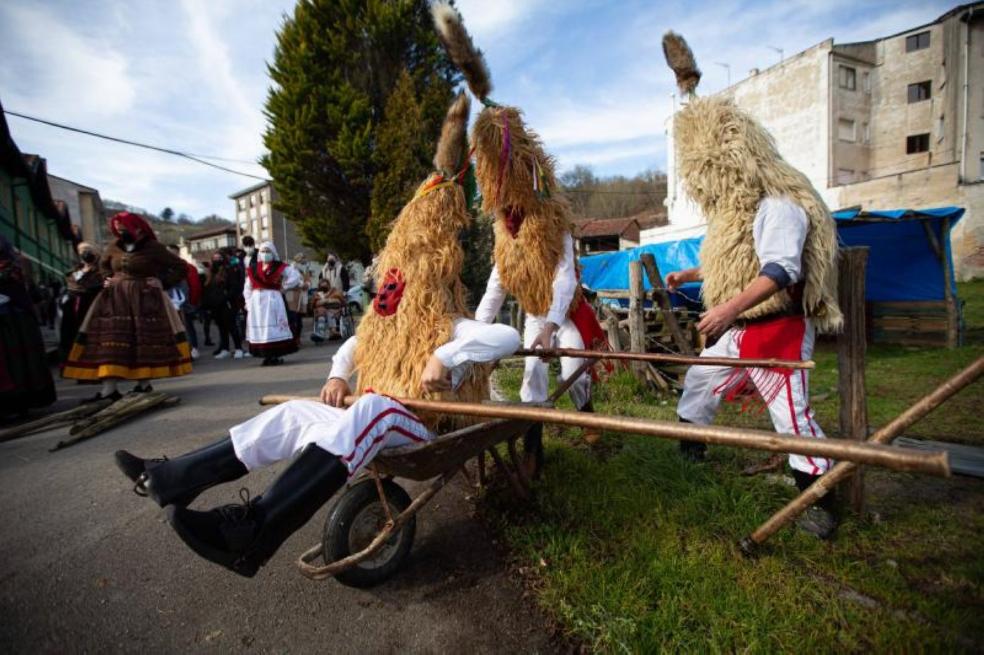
(631, 549)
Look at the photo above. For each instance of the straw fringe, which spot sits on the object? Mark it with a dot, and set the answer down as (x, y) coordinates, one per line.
(680, 58)
(456, 40)
(729, 163)
(452, 147)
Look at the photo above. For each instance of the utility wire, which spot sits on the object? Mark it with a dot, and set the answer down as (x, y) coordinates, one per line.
(200, 159)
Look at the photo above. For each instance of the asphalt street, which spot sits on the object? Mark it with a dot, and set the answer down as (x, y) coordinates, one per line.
(88, 566)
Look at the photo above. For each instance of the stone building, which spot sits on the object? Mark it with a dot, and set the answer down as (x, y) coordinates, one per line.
(198, 247)
(897, 122)
(255, 215)
(85, 208)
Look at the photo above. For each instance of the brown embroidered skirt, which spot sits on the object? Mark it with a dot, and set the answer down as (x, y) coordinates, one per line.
(132, 331)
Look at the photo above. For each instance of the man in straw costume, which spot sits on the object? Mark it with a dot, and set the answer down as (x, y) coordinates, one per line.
(534, 250)
(416, 342)
(768, 265)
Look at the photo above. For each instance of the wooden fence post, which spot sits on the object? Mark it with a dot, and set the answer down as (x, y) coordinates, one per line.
(637, 322)
(661, 296)
(851, 348)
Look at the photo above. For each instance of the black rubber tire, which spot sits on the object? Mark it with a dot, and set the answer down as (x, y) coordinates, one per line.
(340, 521)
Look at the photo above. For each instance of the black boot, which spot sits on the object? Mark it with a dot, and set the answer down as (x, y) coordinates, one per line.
(692, 451)
(820, 519)
(533, 449)
(243, 537)
(180, 480)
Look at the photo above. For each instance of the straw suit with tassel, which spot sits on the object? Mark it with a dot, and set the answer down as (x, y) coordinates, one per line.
(415, 342)
(768, 265)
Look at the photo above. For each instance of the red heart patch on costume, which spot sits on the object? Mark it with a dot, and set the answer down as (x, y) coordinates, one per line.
(390, 293)
(514, 220)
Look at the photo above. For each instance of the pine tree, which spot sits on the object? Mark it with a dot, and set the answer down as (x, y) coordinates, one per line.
(334, 68)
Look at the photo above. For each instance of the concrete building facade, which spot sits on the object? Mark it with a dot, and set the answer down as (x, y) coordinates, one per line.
(256, 216)
(197, 248)
(897, 122)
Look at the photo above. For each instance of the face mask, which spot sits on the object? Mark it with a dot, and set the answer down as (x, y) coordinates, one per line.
(250, 250)
(266, 256)
(331, 263)
(88, 256)
(126, 237)
(234, 261)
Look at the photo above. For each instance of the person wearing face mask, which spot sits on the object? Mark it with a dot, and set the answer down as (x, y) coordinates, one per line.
(219, 297)
(267, 328)
(83, 285)
(132, 330)
(297, 297)
(336, 274)
(249, 248)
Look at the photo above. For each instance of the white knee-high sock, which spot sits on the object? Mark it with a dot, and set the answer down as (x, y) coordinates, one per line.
(108, 387)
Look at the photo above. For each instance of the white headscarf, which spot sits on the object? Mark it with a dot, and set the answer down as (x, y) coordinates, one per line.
(273, 249)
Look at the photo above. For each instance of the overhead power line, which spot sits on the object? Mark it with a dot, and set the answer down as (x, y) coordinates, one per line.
(200, 159)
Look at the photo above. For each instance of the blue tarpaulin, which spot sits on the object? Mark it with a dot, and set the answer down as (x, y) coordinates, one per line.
(901, 263)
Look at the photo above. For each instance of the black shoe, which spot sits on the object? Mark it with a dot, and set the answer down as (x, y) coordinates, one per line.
(533, 445)
(180, 480)
(243, 537)
(116, 395)
(143, 389)
(820, 520)
(693, 451)
(133, 467)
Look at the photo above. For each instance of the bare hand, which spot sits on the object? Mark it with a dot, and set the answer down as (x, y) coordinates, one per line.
(334, 392)
(545, 340)
(674, 280)
(435, 376)
(108, 282)
(716, 320)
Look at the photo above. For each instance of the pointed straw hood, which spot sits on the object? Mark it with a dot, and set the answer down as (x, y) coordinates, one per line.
(422, 256)
(516, 178)
(728, 164)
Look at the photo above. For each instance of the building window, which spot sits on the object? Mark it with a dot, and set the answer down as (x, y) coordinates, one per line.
(265, 233)
(263, 197)
(866, 82)
(920, 91)
(848, 78)
(917, 42)
(917, 143)
(846, 130)
(980, 175)
(266, 222)
(866, 132)
(242, 203)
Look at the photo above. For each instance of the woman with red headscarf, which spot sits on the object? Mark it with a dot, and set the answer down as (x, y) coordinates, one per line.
(132, 330)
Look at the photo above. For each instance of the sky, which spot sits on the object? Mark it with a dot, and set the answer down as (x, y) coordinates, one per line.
(191, 75)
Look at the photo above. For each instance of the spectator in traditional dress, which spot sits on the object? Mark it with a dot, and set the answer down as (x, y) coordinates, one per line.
(83, 285)
(267, 328)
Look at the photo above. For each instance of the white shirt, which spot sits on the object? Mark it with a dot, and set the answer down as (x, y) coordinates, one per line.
(472, 342)
(779, 232)
(291, 278)
(564, 286)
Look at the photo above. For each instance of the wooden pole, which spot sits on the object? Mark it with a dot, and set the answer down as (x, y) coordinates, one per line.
(661, 358)
(952, 315)
(661, 297)
(843, 469)
(850, 363)
(637, 323)
(902, 459)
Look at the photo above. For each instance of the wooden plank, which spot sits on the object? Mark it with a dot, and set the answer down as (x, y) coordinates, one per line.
(616, 295)
(637, 324)
(850, 363)
(953, 318)
(662, 298)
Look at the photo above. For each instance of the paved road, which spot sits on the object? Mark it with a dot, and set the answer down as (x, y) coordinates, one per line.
(85, 565)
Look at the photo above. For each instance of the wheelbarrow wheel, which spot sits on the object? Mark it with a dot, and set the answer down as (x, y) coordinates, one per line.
(355, 520)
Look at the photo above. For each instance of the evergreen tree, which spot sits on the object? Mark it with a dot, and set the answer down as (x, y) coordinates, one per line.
(334, 68)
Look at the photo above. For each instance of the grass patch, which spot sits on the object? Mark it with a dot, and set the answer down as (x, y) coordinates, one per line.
(634, 550)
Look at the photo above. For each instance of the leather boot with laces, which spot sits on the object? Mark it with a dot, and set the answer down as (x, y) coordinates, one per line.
(243, 537)
(180, 480)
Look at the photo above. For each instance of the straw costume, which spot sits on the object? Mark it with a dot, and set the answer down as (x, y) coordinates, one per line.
(768, 262)
(415, 335)
(132, 330)
(534, 249)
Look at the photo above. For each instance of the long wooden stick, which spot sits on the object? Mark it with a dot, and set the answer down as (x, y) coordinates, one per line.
(825, 483)
(668, 359)
(901, 459)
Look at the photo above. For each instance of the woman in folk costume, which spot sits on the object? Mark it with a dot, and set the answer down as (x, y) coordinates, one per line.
(768, 265)
(83, 285)
(534, 249)
(415, 342)
(267, 326)
(132, 330)
(25, 379)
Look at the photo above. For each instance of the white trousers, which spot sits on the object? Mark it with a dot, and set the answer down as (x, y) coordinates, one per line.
(535, 383)
(790, 409)
(355, 434)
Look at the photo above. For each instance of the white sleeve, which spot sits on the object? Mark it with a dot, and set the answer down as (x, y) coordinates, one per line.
(291, 278)
(492, 300)
(343, 361)
(779, 231)
(247, 289)
(564, 284)
(476, 341)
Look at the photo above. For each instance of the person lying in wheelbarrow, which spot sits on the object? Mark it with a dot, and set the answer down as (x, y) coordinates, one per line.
(415, 343)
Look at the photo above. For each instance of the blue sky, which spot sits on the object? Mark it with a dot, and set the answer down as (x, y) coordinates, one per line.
(191, 75)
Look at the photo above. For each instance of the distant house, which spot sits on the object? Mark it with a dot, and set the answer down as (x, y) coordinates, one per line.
(198, 247)
(37, 226)
(594, 235)
(85, 208)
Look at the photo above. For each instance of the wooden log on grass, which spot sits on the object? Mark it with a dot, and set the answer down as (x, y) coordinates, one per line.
(53, 420)
(879, 455)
